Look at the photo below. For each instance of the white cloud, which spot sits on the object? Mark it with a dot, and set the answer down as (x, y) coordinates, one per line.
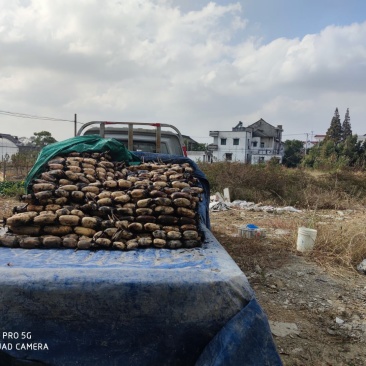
(147, 60)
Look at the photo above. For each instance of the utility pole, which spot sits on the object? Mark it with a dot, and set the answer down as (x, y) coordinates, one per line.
(306, 143)
(75, 122)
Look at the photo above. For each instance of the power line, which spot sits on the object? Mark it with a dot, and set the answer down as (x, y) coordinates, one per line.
(296, 134)
(30, 116)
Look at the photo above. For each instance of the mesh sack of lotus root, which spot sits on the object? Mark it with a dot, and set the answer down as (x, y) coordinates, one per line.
(88, 201)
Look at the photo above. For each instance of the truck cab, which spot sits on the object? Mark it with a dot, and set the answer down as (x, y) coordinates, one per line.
(139, 136)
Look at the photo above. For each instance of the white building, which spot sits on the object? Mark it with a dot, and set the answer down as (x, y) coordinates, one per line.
(257, 143)
(8, 146)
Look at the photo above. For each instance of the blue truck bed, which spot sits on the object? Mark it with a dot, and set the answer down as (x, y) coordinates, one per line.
(142, 307)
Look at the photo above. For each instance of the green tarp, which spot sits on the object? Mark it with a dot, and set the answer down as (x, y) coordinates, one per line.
(90, 143)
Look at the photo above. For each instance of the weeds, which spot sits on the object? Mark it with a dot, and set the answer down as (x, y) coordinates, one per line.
(340, 241)
(343, 245)
(275, 184)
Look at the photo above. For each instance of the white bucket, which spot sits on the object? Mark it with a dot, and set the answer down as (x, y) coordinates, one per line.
(305, 239)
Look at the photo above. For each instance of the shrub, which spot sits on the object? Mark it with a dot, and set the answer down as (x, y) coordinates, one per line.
(11, 189)
(278, 185)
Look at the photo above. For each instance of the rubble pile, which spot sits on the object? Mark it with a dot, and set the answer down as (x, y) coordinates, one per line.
(87, 201)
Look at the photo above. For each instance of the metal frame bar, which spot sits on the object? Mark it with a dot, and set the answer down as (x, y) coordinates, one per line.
(130, 125)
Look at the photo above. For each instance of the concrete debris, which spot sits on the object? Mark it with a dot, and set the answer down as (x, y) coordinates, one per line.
(218, 206)
(222, 203)
(297, 350)
(251, 206)
(257, 268)
(280, 329)
(218, 203)
(227, 195)
(217, 197)
(362, 267)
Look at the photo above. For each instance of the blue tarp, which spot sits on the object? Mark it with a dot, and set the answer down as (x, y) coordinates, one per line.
(143, 307)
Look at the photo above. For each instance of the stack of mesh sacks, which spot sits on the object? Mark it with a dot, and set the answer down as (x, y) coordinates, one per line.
(87, 201)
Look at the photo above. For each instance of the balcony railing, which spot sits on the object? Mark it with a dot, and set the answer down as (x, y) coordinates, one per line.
(262, 151)
(212, 147)
(214, 133)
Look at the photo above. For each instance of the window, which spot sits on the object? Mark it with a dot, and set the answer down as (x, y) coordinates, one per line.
(223, 141)
(261, 159)
(236, 142)
(254, 143)
(262, 144)
(147, 146)
(228, 156)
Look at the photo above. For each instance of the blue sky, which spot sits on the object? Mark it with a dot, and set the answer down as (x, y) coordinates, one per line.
(199, 65)
(271, 19)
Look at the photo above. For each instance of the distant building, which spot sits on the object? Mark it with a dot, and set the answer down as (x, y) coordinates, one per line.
(319, 138)
(361, 138)
(256, 143)
(313, 141)
(9, 145)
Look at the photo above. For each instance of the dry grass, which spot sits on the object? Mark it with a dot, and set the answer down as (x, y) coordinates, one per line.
(250, 253)
(344, 246)
(340, 242)
(288, 187)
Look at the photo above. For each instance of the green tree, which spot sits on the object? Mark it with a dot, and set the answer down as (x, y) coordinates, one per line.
(201, 147)
(43, 138)
(361, 154)
(195, 146)
(312, 156)
(328, 155)
(339, 149)
(334, 132)
(346, 126)
(293, 153)
(349, 149)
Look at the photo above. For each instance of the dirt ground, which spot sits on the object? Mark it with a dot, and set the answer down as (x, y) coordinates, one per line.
(317, 313)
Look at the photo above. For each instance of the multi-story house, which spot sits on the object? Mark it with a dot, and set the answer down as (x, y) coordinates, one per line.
(9, 145)
(257, 143)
